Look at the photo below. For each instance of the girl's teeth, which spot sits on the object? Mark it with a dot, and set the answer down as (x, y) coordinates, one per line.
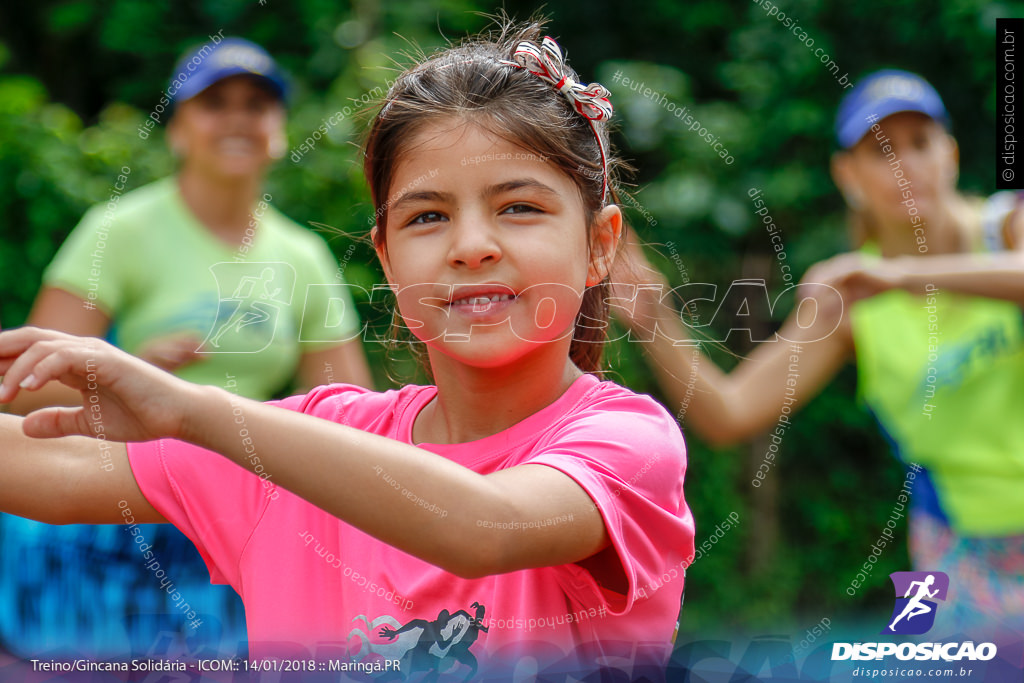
(481, 300)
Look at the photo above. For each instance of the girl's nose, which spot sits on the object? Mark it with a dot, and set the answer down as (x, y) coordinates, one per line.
(473, 244)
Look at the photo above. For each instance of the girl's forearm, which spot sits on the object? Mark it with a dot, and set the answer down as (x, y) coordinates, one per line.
(405, 496)
(396, 492)
(27, 485)
(53, 394)
(72, 479)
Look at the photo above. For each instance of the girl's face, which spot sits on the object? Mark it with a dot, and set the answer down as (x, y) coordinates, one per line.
(918, 180)
(230, 129)
(486, 245)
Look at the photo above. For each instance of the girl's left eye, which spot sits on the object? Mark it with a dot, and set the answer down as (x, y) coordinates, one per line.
(521, 208)
(427, 217)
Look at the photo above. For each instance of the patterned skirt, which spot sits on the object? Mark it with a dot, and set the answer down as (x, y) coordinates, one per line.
(986, 575)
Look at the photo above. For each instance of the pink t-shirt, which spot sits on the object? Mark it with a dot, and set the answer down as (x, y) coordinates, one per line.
(316, 587)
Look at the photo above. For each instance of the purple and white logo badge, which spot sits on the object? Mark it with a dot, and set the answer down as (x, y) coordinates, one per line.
(916, 592)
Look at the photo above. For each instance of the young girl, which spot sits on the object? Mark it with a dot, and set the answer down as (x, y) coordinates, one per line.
(935, 328)
(521, 508)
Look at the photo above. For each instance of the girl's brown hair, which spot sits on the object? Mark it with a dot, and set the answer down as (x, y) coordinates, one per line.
(470, 81)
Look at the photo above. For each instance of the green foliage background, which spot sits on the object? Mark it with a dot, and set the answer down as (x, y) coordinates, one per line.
(77, 78)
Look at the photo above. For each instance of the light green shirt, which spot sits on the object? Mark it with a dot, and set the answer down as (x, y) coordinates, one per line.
(149, 264)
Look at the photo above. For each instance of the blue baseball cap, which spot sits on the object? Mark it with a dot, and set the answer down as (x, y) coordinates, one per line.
(881, 94)
(207, 64)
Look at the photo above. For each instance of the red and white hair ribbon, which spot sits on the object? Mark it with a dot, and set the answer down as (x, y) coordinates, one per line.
(591, 100)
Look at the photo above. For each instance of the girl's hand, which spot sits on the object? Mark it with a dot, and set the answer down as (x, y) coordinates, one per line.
(123, 398)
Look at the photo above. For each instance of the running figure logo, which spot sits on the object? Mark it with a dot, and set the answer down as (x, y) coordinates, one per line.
(252, 300)
(439, 645)
(914, 612)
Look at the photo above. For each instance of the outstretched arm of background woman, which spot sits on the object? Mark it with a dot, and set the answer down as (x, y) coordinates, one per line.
(993, 275)
(729, 407)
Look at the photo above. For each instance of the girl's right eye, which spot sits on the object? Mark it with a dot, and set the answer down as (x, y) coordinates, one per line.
(427, 217)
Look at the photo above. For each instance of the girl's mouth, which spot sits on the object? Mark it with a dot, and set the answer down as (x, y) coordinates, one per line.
(480, 303)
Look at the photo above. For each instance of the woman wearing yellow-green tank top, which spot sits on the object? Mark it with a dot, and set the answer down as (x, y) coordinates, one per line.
(932, 319)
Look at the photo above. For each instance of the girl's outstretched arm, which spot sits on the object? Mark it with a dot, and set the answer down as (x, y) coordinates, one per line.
(350, 474)
(337, 468)
(70, 480)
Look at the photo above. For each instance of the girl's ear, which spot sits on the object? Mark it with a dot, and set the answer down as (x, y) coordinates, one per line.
(604, 240)
(382, 253)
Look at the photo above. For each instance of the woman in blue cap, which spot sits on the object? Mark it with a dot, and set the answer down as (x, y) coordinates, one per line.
(200, 275)
(934, 325)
